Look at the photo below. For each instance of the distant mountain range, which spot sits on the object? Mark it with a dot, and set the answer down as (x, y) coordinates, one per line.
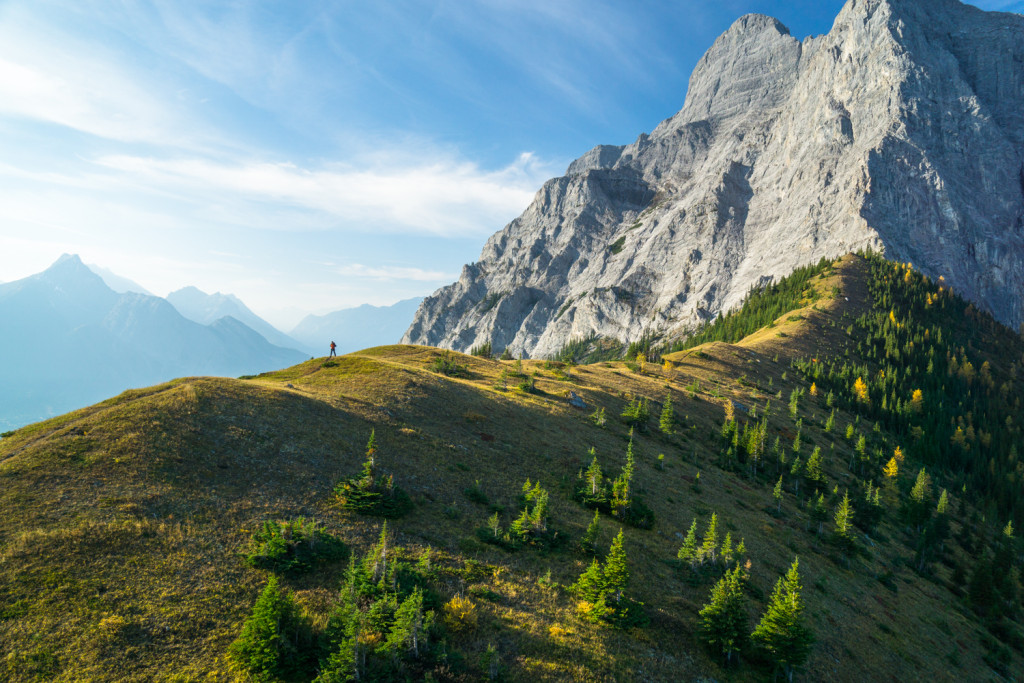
(72, 340)
(353, 329)
(206, 309)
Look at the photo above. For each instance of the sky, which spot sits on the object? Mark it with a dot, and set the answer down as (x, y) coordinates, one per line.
(317, 155)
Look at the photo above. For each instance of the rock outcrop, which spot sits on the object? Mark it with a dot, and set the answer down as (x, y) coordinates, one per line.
(901, 129)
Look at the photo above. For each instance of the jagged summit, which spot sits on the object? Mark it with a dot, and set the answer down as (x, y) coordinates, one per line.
(900, 129)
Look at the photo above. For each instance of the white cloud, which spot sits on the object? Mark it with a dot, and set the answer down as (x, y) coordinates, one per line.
(358, 270)
(443, 196)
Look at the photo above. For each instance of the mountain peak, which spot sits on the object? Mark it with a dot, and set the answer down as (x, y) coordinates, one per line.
(70, 270)
(899, 130)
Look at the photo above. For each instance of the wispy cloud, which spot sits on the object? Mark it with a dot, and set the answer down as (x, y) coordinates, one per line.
(389, 273)
(50, 75)
(443, 196)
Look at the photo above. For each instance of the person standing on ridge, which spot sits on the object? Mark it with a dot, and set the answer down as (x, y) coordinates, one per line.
(333, 346)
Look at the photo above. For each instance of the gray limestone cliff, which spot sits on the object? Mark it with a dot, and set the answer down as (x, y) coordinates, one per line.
(901, 129)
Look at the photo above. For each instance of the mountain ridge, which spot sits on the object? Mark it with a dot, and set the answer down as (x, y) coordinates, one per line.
(125, 525)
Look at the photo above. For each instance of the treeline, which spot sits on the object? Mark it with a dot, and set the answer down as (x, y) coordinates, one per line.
(760, 308)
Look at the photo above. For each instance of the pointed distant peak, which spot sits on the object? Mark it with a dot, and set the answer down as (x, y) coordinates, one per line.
(188, 291)
(68, 259)
(69, 271)
(68, 263)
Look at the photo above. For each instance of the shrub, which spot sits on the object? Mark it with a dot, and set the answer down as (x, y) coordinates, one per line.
(460, 614)
(292, 547)
(448, 365)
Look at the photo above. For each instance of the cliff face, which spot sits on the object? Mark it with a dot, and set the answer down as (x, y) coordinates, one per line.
(901, 129)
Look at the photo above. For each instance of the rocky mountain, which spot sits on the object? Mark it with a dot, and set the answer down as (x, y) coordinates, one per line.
(71, 340)
(356, 328)
(901, 129)
(205, 309)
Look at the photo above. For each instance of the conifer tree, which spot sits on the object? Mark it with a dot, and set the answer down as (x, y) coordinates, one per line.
(777, 494)
(724, 618)
(781, 631)
(616, 570)
(594, 478)
(814, 470)
(726, 552)
(688, 552)
(709, 546)
(589, 542)
(369, 465)
(407, 628)
(267, 647)
(590, 585)
(667, 423)
(919, 505)
(621, 486)
(844, 522)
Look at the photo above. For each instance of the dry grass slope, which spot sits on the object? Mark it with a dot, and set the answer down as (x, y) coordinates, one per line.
(121, 524)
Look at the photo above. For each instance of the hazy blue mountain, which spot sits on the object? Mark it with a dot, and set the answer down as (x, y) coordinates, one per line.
(206, 309)
(119, 284)
(71, 341)
(357, 328)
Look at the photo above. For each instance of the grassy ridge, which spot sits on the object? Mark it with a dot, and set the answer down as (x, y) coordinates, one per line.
(123, 526)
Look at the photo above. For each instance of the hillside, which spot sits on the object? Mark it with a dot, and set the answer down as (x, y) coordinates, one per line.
(124, 526)
(786, 150)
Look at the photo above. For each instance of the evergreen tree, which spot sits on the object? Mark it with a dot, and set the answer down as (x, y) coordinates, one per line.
(724, 618)
(407, 629)
(709, 546)
(844, 522)
(688, 552)
(594, 478)
(777, 494)
(370, 464)
(814, 468)
(616, 570)
(781, 631)
(269, 646)
(919, 505)
(589, 541)
(667, 423)
(726, 552)
(590, 585)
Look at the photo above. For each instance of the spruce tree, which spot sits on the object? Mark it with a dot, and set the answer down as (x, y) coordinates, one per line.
(616, 570)
(777, 495)
(814, 471)
(589, 541)
(407, 628)
(723, 620)
(667, 423)
(594, 478)
(844, 522)
(709, 546)
(267, 648)
(590, 585)
(781, 631)
(688, 552)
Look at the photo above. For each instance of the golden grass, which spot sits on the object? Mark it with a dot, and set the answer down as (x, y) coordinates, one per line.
(121, 524)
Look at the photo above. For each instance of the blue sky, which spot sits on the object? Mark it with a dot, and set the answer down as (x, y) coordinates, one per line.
(310, 156)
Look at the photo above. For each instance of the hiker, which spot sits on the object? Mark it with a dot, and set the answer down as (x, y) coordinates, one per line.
(333, 346)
